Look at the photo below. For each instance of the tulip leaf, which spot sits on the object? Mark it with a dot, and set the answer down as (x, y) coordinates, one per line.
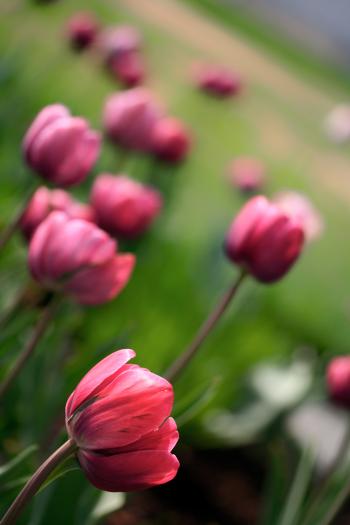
(69, 465)
(197, 404)
(20, 458)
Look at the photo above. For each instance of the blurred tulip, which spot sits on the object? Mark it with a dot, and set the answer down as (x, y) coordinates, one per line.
(76, 256)
(115, 41)
(127, 68)
(129, 118)
(118, 417)
(123, 206)
(338, 380)
(217, 81)
(301, 209)
(61, 148)
(247, 174)
(171, 140)
(263, 240)
(337, 123)
(44, 201)
(82, 29)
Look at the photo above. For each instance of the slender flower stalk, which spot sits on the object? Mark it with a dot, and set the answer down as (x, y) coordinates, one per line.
(31, 344)
(209, 324)
(35, 482)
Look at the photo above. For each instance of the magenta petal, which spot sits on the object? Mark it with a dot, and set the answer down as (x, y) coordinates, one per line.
(97, 378)
(135, 403)
(164, 438)
(128, 472)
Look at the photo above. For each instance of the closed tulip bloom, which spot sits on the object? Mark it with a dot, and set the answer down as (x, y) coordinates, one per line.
(59, 147)
(129, 118)
(118, 416)
(170, 140)
(80, 259)
(127, 68)
(44, 201)
(217, 81)
(247, 174)
(338, 380)
(263, 240)
(82, 29)
(115, 41)
(123, 206)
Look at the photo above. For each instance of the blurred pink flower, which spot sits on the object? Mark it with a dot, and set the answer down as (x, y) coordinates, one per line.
(61, 148)
(82, 29)
(123, 206)
(118, 416)
(337, 123)
(128, 68)
(247, 174)
(338, 380)
(129, 118)
(76, 256)
(44, 201)
(115, 41)
(263, 240)
(301, 209)
(171, 140)
(217, 81)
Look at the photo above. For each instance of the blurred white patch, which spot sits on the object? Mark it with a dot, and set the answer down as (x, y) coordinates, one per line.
(337, 123)
(107, 503)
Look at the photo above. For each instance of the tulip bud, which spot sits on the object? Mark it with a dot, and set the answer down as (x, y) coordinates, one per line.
(115, 41)
(247, 174)
(217, 81)
(263, 240)
(338, 380)
(118, 416)
(61, 148)
(129, 118)
(82, 30)
(44, 201)
(127, 68)
(123, 206)
(75, 256)
(170, 140)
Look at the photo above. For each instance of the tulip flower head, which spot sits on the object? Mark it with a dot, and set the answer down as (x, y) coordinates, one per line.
(59, 147)
(44, 201)
(338, 380)
(123, 206)
(82, 29)
(247, 174)
(75, 256)
(217, 81)
(170, 140)
(129, 118)
(263, 240)
(127, 68)
(118, 416)
(116, 41)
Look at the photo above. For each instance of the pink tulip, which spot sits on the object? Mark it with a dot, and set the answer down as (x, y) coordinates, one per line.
(44, 201)
(338, 380)
(123, 206)
(217, 81)
(129, 118)
(61, 148)
(170, 140)
(82, 29)
(75, 256)
(247, 174)
(115, 41)
(118, 416)
(127, 68)
(263, 240)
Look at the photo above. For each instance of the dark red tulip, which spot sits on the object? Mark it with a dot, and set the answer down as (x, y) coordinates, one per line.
(218, 81)
(127, 68)
(263, 240)
(82, 29)
(171, 140)
(338, 380)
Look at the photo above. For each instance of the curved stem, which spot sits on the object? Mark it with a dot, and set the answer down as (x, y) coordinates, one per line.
(29, 347)
(35, 482)
(182, 361)
(9, 230)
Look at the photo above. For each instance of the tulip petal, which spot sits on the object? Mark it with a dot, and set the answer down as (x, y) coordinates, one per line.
(128, 472)
(163, 438)
(97, 378)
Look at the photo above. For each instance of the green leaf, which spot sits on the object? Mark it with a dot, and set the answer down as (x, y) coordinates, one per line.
(20, 458)
(199, 403)
(69, 465)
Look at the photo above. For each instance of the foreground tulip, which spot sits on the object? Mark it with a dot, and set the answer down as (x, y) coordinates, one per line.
(119, 428)
(338, 380)
(129, 118)
(75, 256)
(44, 201)
(170, 140)
(59, 147)
(217, 81)
(263, 240)
(247, 174)
(82, 29)
(124, 207)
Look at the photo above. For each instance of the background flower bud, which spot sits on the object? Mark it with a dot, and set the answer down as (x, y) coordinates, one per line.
(264, 240)
(123, 206)
(217, 81)
(247, 174)
(129, 118)
(338, 380)
(82, 29)
(115, 41)
(118, 416)
(127, 68)
(170, 140)
(59, 147)
(44, 201)
(76, 256)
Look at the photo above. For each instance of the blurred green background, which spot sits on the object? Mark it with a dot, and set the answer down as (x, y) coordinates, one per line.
(181, 270)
